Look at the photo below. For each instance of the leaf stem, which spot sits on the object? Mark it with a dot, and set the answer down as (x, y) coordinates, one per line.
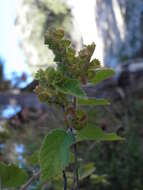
(76, 176)
(35, 176)
(65, 180)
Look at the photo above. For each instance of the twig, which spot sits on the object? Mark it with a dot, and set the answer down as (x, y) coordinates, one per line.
(65, 180)
(35, 176)
(76, 177)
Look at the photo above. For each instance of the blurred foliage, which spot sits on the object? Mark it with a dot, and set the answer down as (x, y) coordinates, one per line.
(60, 86)
(8, 179)
(121, 161)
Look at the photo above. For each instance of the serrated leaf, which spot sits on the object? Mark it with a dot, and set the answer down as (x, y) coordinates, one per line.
(86, 170)
(91, 132)
(55, 153)
(59, 34)
(65, 43)
(95, 63)
(93, 102)
(102, 74)
(87, 52)
(12, 176)
(71, 52)
(71, 87)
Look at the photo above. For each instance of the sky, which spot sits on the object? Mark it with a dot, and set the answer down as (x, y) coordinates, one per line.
(86, 24)
(9, 48)
(10, 52)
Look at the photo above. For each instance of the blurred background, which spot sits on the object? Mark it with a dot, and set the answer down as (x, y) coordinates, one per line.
(116, 27)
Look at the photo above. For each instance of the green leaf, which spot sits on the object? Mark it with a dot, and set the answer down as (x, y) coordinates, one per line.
(87, 52)
(86, 170)
(102, 74)
(59, 34)
(12, 176)
(94, 133)
(98, 179)
(55, 153)
(65, 43)
(95, 63)
(71, 87)
(93, 102)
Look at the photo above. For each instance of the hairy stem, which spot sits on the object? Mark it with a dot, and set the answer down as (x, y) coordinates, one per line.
(76, 176)
(35, 176)
(65, 180)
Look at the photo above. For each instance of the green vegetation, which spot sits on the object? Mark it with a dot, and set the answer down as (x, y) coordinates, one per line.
(58, 160)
